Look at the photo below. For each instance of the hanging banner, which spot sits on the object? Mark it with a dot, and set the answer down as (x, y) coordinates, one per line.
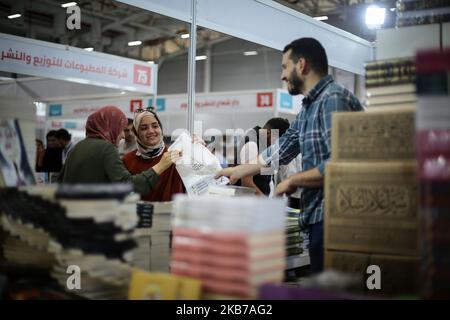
(247, 101)
(55, 61)
(83, 108)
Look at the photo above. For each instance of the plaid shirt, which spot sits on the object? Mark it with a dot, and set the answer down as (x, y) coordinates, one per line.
(310, 135)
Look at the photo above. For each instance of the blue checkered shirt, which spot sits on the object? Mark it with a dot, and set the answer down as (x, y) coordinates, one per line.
(310, 135)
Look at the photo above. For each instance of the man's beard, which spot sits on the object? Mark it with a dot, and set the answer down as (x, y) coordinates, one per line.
(296, 84)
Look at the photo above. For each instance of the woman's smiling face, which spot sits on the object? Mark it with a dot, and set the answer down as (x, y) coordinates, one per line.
(149, 131)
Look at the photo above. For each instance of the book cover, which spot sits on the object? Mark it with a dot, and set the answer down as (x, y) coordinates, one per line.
(14, 166)
(373, 136)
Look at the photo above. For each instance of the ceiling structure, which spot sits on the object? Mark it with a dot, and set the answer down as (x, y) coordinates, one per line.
(108, 26)
(348, 15)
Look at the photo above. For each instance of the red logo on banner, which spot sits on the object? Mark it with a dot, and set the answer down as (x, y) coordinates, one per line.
(142, 75)
(264, 99)
(135, 104)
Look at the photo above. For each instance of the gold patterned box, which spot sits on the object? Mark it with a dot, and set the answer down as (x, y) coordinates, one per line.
(384, 134)
(371, 207)
(398, 274)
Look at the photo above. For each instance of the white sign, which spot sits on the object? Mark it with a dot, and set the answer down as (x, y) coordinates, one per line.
(83, 108)
(55, 61)
(225, 101)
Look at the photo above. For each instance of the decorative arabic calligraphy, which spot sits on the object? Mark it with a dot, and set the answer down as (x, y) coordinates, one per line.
(374, 200)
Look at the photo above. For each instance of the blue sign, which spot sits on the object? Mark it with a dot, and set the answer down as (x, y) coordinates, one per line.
(70, 125)
(286, 101)
(160, 104)
(54, 110)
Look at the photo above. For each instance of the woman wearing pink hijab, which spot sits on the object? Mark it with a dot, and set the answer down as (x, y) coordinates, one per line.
(96, 158)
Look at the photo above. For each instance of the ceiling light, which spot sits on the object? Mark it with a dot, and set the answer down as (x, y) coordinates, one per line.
(321, 18)
(375, 16)
(185, 36)
(151, 62)
(14, 16)
(134, 43)
(122, 92)
(250, 53)
(68, 4)
(89, 49)
(392, 9)
(201, 57)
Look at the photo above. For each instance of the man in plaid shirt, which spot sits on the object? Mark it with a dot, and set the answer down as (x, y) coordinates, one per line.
(305, 69)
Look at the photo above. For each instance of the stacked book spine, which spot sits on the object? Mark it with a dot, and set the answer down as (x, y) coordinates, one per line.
(416, 12)
(86, 227)
(371, 198)
(433, 155)
(161, 237)
(390, 83)
(297, 241)
(233, 245)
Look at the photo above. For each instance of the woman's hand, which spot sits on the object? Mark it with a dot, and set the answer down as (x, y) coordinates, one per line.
(168, 158)
(197, 139)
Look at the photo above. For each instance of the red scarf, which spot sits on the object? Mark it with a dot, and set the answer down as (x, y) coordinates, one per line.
(106, 123)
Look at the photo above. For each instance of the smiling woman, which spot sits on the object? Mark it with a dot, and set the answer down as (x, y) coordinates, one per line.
(150, 149)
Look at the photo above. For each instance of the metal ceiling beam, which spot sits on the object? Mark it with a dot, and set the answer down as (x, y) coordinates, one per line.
(120, 22)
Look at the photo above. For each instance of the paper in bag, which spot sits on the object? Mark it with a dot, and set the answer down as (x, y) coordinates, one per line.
(197, 167)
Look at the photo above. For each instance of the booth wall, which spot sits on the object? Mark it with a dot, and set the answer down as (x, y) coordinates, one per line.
(230, 69)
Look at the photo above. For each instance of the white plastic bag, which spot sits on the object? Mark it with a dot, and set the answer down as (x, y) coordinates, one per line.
(197, 167)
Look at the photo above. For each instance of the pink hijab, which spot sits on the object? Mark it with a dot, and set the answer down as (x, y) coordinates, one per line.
(106, 123)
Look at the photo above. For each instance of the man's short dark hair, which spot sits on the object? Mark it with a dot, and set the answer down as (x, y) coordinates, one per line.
(312, 51)
(280, 124)
(63, 134)
(130, 121)
(51, 133)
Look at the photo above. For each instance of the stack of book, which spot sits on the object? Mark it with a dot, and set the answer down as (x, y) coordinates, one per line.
(94, 232)
(87, 230)
(142, 253)
(161, 237)
(144, 211)
(433, 155)
(415, 12)
(233, 245)
(390, 83)
(24, 242)
(371, 198)
(297, 241)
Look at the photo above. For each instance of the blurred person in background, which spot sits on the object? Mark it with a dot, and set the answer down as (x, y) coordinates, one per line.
(128, 143)
(64, 140)
(262, 183)
(49, 160)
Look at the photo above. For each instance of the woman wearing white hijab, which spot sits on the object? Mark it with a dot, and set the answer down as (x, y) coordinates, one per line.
(150, 148)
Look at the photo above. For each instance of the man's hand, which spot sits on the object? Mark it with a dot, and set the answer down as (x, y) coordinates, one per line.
(285, 187)
(238, 172)
(228, 172)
